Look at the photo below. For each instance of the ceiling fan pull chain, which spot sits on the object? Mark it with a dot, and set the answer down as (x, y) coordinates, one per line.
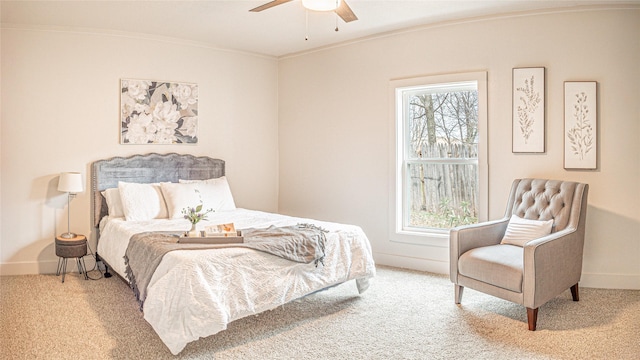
(306, 24)
(336, 12)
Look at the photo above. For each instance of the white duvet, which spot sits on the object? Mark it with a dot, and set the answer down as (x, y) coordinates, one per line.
(196, 293)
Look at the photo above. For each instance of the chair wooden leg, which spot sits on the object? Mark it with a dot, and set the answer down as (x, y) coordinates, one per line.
(574, 292)
(459, 290)
(532, 317)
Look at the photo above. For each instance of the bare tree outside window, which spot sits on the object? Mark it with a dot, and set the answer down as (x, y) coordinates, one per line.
(442, 156)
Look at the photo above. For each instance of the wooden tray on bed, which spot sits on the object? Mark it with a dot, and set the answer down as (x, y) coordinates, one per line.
(212, 239)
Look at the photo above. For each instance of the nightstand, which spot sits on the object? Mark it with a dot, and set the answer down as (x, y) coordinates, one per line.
(75, 247)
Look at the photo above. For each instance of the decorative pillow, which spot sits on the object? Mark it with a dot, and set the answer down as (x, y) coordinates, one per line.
(213, 195)
(520, 231)
(220, 192)
(142, 201)
(114, 204)
(180, 196)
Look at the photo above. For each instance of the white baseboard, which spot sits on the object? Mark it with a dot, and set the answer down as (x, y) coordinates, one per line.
(434, 266)
(610, 281)
(590, 280)
(34, 267)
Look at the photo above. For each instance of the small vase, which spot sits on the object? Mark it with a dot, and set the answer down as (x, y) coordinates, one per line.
(193, 232)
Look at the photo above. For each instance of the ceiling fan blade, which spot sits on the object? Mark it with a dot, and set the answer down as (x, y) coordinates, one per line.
(345, 12)
(270, 4)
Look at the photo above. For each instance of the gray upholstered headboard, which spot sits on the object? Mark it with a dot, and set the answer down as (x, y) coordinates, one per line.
(148, 168)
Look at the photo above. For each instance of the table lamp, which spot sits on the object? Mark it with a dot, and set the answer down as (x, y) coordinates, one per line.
(71, 183)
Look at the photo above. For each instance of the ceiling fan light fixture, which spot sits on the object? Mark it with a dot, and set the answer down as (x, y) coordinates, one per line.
(321, 5)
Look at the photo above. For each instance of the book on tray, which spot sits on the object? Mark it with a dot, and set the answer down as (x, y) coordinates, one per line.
(221, 230)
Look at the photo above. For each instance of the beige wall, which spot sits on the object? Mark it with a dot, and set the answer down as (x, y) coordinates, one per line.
(334, 133)
(322, 119)
(60, 112)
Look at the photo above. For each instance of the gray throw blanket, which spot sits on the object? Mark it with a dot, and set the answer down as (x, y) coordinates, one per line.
(303, 243)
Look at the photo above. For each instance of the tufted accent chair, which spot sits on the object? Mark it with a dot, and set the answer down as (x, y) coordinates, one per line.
(540, 270)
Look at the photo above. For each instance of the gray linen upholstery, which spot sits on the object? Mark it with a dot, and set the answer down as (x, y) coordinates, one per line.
(500, 265)
(540, 270)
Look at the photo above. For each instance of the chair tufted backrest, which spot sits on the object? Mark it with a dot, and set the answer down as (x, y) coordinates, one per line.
(541, 199)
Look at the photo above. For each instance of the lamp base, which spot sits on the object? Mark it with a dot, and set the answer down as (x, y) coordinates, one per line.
(68, 235)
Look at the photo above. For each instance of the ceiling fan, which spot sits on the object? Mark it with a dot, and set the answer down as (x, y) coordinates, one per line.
(339, 6)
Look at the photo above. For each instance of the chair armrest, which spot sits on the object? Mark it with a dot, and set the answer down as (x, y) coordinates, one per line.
(552, 264)
(467, 237)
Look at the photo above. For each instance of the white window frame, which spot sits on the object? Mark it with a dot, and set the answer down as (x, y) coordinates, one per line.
(435, 237)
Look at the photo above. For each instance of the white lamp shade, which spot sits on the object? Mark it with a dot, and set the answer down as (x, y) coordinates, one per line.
(70, 182)
(321, 5)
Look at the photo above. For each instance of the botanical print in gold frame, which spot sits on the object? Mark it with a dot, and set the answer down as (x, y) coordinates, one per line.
(528, 109)
(158, 112)
(580, 125)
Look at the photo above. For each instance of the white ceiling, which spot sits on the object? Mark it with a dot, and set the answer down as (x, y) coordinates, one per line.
(278, 31)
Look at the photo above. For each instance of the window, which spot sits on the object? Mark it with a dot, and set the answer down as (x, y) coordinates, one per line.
(440, 153)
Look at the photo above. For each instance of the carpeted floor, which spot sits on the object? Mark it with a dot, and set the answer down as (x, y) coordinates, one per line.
(404, 315)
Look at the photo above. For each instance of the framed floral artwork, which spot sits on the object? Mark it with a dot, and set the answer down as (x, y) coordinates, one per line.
(528, 128)
(580, 125)
(158, 112)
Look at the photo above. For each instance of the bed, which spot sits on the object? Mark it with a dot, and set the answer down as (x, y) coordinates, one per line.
(196, 293)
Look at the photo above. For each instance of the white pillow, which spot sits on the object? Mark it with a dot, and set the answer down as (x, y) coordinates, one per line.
(219, 191)
(114, 204)
(520, 231)
(180, 196)
(142, 201)
(214, 195)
